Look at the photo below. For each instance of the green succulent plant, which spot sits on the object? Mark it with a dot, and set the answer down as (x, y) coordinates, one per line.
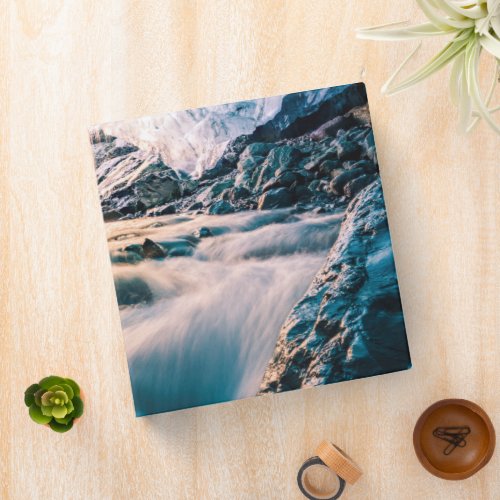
(54, 401)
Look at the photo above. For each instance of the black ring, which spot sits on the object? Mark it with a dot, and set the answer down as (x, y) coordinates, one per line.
(317, 461)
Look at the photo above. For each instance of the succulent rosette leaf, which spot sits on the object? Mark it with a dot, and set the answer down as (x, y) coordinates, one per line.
(54, 401)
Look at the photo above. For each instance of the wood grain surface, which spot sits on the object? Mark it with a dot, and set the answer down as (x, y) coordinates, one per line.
(66, 65)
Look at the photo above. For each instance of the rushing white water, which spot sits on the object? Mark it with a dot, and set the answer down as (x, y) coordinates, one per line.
(212, 327)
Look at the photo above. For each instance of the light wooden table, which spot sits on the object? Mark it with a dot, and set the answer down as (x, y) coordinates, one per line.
(66, 65)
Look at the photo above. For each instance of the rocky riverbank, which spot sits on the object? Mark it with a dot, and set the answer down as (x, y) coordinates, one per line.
(350, 321)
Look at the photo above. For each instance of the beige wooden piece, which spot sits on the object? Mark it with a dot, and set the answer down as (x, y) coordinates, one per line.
(66, 65)
(339, 461)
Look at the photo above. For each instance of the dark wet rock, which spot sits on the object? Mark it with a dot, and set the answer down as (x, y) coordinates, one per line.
(328, 167)
(302, 112)
(338, 182)
(302, 193)
(369, 145)
(281, 157)
(157, 185)
(182, 246)
(108, 147)
(369, 166)
(181, 251)
(352, 188)
(167, 209)
(152, 250)
(203, 232)
(350, 321)
(136, 248)
(220, 207)
(253, 155)
(285, 179)
(125, 257)
(222, 167)
(314, 185)
(219, 187)
(196, 206)
(312, 166)
(348, 150)
(112, 215)
(284, 157)
(132, 291)
(331, 127)
(239, 193)
(248, 163)
(275, 198)
(123, 190)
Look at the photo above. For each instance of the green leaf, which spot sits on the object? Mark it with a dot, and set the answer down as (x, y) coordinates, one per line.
(38, 396)
(472, 63)
(492, 45)
(78, 405)
(37, 415)
(46, 398)
(440, 21)
(73, 385)
(48, 382)
(69, 406)
(29, 394)
(65, 420)
(406, 33)
(59, 411)
(56, 388)
(46, 410)
(450, 51)
(58, 427)
(68, 390)
(458, 12)
(62, 396)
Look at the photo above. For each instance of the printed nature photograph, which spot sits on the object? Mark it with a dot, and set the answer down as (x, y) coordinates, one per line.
(250, 248)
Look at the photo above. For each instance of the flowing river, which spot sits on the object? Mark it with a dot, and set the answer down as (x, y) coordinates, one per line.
(210, 329)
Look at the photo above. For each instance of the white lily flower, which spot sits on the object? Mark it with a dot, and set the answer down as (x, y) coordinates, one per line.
(475, 28)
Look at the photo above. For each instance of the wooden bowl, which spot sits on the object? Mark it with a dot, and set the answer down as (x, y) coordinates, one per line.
(454, 438)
